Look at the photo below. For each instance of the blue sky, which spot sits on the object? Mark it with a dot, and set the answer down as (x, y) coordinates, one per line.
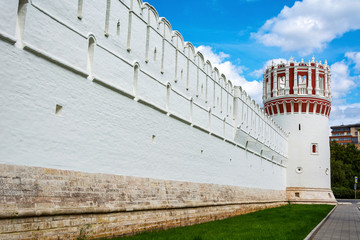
(241, 37)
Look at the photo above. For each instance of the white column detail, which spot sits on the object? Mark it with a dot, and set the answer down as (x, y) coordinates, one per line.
(128, 44)
(176, 60)
(309, 87)
(269, 85)
(296, 88)
(147, 38)
(287, 88)
(326, 80)
(107, 18)
(317, 88)
(274, 90)
(188, 69)
(20, 23)
(162, 51)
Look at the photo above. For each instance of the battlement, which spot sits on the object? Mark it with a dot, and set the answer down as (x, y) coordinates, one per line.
(161, 69)
(297, 87)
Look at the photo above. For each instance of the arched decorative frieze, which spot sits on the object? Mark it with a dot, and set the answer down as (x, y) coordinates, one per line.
(216, 75)
(230, 87)
(190, 57)
(200, 60)
(180, 44)
(223, 92)
(216, 88)
(200, 75)
(227, 99)
(208, 68)
(297, 105)
(148, 28)
(222, 80)
(153, 16)
(165, 28)
(312, 108)
(209, 85)
(192, 53)
(137, 6)
(166, 32)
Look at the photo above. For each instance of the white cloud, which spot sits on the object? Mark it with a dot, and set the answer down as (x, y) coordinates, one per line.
(259, 72)
(354, 57)
(345, 114)
(232, 72)
(310, 25)
(341, 81)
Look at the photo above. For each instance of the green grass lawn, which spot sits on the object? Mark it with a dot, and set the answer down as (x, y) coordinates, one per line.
(287, 222)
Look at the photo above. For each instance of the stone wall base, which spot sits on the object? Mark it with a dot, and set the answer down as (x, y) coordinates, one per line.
(116, 224)
(42, 203)
(300, 195)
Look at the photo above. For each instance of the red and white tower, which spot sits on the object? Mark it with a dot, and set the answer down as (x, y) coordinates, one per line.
(297, 95)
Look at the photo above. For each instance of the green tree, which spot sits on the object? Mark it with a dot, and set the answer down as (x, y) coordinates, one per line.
(345, 165)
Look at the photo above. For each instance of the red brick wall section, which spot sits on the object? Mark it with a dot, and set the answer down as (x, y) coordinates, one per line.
(291, 79)
(58, 204)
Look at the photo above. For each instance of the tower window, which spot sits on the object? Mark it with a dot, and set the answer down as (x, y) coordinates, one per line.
(314, 148)
(299, 126)
(281, 81)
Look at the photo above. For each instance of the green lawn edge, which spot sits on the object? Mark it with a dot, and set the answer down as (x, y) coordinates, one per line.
(286, 222)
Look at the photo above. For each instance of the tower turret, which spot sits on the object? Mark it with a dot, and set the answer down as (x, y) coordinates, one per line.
(297, 95)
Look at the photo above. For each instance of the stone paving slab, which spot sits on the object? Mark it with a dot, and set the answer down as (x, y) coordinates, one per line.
(343, 223)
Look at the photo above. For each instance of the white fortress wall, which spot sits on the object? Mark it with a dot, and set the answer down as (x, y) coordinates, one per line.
(127, 48)
(94, 91)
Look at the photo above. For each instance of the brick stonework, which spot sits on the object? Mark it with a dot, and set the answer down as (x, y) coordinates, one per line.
(59, 204)
(300, 195)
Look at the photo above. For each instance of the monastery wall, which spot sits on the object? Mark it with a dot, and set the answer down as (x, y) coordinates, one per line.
(95, 91)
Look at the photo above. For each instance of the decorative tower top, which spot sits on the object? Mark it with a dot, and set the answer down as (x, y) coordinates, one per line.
(297, 87)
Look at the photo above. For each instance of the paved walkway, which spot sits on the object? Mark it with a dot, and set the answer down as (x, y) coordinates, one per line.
(343, 223)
